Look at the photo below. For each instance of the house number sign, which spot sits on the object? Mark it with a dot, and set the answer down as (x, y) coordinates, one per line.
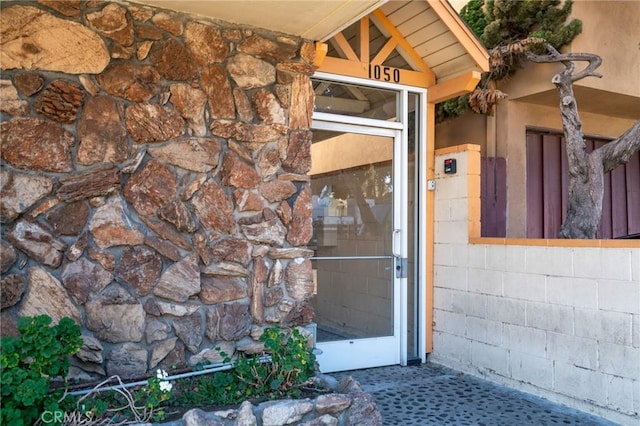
(383, 73)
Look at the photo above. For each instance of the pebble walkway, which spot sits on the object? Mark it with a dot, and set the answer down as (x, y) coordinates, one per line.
(429, 394)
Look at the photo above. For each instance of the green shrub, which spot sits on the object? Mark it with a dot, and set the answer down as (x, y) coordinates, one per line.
(291, 365)
(29, 363)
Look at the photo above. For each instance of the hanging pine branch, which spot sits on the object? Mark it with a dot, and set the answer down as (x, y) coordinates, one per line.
(508, 29)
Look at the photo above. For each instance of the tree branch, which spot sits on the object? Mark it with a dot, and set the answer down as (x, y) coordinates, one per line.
(586, 171)
(620, 150)
(568, 60)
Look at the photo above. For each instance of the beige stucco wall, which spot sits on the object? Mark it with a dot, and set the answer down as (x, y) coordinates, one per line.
(471, 128)
(610, 28)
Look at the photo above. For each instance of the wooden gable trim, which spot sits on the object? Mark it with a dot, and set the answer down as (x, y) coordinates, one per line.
(413, 57)
(341, 66)
(364, 39)
(321, 53)
(354, 66)
(469, 41)
(453, 87)
(343, 46)
(384, 53)
(361, 66)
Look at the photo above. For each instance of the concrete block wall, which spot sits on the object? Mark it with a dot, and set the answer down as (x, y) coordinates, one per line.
(556, 318)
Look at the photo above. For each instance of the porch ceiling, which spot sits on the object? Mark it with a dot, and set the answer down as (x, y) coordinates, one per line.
(438, 35)
(432, 28)
(310, 19)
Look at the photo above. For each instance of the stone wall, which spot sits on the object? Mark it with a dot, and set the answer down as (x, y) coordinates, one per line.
(347, 405)
(154, 181)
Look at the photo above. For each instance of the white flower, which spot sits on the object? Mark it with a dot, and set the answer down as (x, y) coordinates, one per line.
(165, 385)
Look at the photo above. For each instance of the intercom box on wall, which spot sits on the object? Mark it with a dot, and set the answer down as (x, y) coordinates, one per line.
(450, 166)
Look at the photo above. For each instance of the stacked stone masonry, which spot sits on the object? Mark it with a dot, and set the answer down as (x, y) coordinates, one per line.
(154, 181)
(347, 405)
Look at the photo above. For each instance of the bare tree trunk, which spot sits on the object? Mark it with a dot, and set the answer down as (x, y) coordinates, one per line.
(586, 171)
(586, 180)
(584, 206)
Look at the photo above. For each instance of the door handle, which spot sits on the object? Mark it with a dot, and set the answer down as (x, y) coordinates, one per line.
(396, 233)
(401, 263)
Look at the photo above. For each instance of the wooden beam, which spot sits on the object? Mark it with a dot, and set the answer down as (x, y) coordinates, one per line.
(384, 53)
(464, 35)
(382, 19)
(364, 40)
(354, 91)
(344, 67)
(344, 48)
(453, 87)
(321, 88)
(356, 69)
(321, 53)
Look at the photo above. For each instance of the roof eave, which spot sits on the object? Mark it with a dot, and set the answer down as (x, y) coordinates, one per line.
(461, 31)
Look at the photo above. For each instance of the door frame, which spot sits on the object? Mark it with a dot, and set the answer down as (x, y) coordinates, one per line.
(332, 121)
